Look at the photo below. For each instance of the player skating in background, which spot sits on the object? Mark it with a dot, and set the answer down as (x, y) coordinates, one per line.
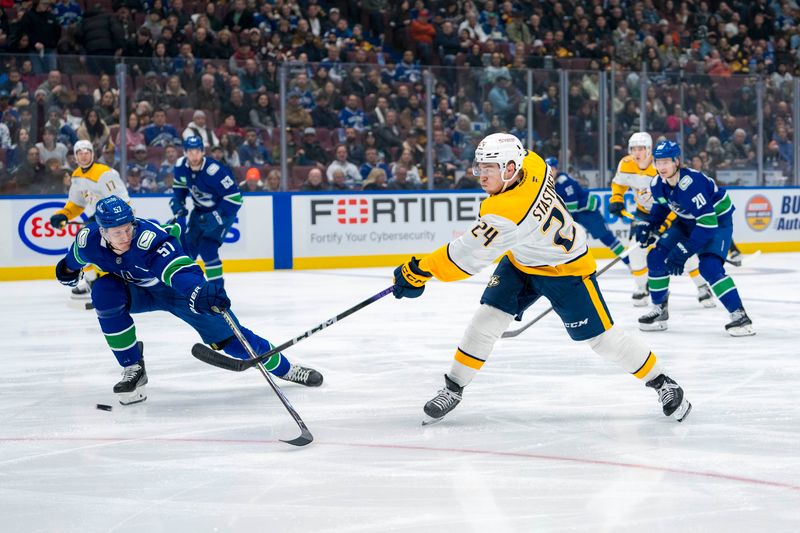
(545, 254)
(216, 198)
(148, 271)
(704, 226)
(583, 207)
(635, 171)
(91, 182)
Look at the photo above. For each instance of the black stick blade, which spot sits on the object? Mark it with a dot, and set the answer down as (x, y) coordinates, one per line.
(214, 358)
(305, 438)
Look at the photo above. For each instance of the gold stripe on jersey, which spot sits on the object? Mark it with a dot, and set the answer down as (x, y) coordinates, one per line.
(468, 360)
(646, 367)
(640, 272)
(441, 265)
(70, 210)
(515, 203)
(597, 303)
(93, 173)
(618, 191)
(583, 265)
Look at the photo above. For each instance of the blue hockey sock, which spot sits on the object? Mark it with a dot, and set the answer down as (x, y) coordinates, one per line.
(725, 291)
(659, 288)
(120, 333)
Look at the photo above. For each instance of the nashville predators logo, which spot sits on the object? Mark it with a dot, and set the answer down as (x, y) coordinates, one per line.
(494, 281)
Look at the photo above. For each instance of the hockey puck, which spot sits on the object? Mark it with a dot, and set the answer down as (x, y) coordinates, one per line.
(104, 407)
(88, 306)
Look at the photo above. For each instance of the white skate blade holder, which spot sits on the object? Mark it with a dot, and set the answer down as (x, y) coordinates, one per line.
(129, 398)
(682, 411)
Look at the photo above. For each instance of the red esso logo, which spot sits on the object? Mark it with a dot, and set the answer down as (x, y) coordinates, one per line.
(352, 211)
(37, 234)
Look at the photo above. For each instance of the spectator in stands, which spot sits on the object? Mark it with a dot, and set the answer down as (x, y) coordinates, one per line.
(207, 96)
(168, 164)
(252, 152)
(141, 49)
(262, 115)
(102, 36)
(133, 136)
(388, 136)
(341, 163)
(273, 181)
(239, 17)
(376, 180)
(230, 155)
(108, 109)
(447, 44)
(49, 148)
(67, 13)
(470, 24)
(443, 152)
(147, 172)
(406, 160)
(339, 181)
(175, 95)
(161, 63)
(152, 91)
(19, 151)
(311, 151)
(322, 116)
(738, 152)
(55, 92)
(26, 176)
(314, 181)
(252, 181)
(371, 162)
(159, 133)
(785, 146)
(94, 130)
(199, 128)
(43, 31)
(399, 180)
(517, 30)
(423, 33)
(504, 98)
(109, 156)
(65, 134)
(134, 179)
(354, 83)
(494, 29)
(352, 116)
(252, 80)
(408, 70)
(296, 115)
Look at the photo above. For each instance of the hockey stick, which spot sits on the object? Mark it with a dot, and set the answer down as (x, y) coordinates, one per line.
(305, 435)
(515, 332)
(214, 358)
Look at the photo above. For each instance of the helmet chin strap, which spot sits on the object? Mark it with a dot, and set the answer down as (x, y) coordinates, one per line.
(509, 181)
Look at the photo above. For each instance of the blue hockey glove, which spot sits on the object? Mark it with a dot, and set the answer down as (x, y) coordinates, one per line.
(643, 232)
(409, 280)
(205, 298)
(178, 209)
(65, 276)
(616, 208)
(676, 259)
(58, 220)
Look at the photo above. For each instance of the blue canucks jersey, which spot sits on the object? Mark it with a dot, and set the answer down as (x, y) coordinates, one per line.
(574, 196)
(212, 187)
(697, 200)
(155, 256)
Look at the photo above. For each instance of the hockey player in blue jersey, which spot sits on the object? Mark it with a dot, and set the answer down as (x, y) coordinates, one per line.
(703, 226)
(148, 271)
(583, 207)
(216, 198)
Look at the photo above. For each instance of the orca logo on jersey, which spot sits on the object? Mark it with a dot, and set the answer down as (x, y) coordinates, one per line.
(37, 234)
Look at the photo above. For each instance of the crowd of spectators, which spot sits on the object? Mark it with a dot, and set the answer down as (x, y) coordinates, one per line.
(356, 102)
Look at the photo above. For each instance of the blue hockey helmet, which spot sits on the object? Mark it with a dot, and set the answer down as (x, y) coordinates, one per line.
(552, 161)
(193, 142)
(112, 212)
(667, 150)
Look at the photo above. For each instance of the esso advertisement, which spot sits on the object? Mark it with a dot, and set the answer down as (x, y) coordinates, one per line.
(36, 233)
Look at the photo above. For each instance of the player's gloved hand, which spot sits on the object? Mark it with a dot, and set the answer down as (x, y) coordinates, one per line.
(643, 232)
(676, 259)
(209, 299)
(178, 209)
(409, 280)
(66, 277)
(58, 220)
(616, 208)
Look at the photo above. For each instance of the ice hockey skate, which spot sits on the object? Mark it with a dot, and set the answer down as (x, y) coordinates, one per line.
(131, 388)
(445, 401)
(82, 292)
(640, 297)
(670, 396)
(655, 319)
(735, 257)
(740, 324)
(704, 296)
(304, 376)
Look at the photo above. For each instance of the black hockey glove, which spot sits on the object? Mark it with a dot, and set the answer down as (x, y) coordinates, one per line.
(616, 208)
(66, 277)
(209, 299)
(643, 232)
(409, 280)
(58, 220)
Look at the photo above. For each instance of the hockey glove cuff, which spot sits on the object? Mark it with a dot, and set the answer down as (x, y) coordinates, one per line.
(66, 277)
(58, 220)
(409, 280)
(642, 232)
(209, 299)
(616, 208)
(676, 259)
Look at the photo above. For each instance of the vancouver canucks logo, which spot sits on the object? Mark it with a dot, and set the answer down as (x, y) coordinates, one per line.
(494, 281)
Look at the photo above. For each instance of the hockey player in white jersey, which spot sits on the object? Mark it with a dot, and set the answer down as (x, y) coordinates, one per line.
(544, 253)
(636, 170)
(91, 182)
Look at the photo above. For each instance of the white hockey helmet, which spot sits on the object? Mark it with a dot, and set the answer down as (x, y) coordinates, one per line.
(82, 145)
(500, 148)
(641, 138)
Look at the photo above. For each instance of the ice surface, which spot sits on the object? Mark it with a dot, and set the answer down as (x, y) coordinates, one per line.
(549, 437)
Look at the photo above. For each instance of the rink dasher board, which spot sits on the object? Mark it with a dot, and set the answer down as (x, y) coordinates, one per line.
(326, 230)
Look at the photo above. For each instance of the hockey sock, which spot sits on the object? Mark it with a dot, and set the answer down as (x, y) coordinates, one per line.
(696, 277)
(277, 364)
(120, 333)
(628, 351)
(659, 287)
(614, 245)
(214, 269)
(487, 324)
(725, 291)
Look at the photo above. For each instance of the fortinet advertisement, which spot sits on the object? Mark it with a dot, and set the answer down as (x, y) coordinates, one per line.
(378, 224)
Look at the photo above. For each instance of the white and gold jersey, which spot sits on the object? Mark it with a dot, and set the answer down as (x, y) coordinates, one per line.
(528, 222)
(630, 175)
(98, 182)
